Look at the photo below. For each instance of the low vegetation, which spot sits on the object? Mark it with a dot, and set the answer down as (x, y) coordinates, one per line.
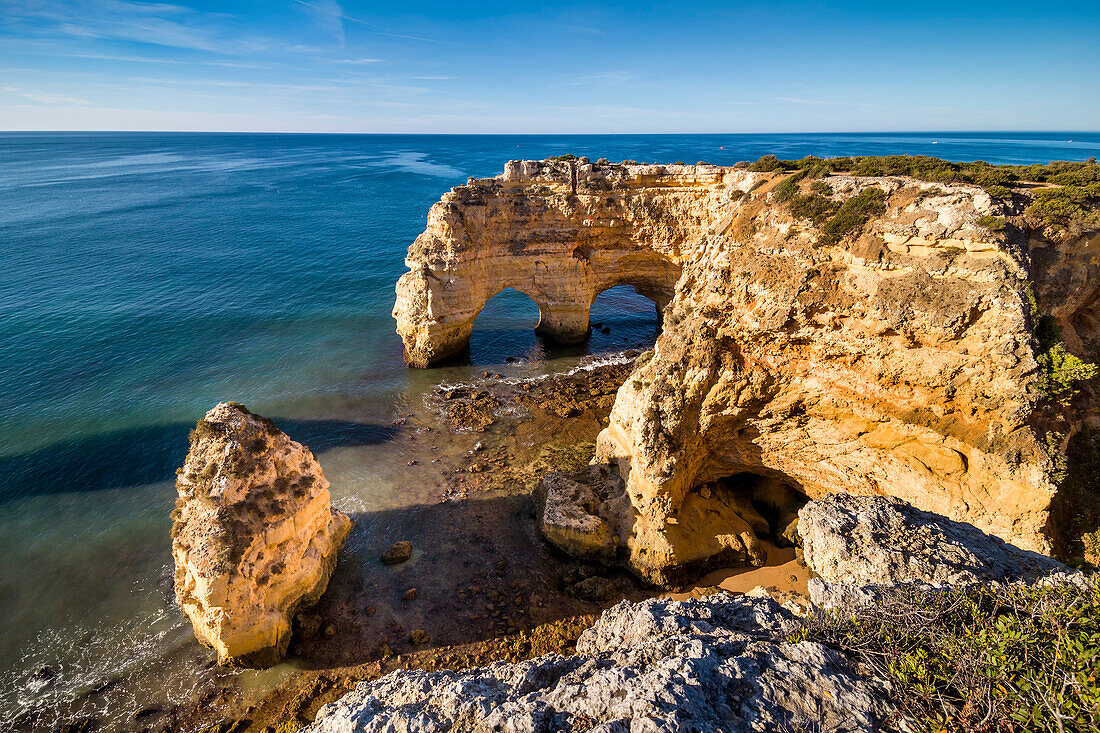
(853, 214)
(1069, 197)
(814, 206)
(978, 659)
(1059, 370)
(992, 223)
(1059, 373)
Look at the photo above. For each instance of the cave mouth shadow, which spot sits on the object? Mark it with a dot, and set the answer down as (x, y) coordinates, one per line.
(769, 498)
(148, 454)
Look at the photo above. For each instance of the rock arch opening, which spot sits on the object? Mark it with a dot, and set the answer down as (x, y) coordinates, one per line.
(505, 326)
(624, 317)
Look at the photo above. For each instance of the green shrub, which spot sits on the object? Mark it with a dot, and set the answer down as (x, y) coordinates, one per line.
(814, 207)
(853, 214)
(1069, 206)
(1017, 658)
(998, 192)
(821, 188)
(992, 223)
(788, 189)
(1059, 372)
(766, 164)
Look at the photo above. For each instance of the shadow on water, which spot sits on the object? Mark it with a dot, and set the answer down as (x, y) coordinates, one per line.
(148, 455)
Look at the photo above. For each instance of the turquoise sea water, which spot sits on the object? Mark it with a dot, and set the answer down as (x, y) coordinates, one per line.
(145, 277)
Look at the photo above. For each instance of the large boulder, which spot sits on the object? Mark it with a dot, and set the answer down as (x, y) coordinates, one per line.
(715, 664)
(255, 536)
(857, 543)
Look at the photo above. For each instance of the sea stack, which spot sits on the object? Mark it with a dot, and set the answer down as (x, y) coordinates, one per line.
(254, 537)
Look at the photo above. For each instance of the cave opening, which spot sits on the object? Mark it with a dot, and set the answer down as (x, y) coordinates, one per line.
(768, 503)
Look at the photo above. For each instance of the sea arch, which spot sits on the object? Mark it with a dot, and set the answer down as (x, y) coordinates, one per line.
(560, 232)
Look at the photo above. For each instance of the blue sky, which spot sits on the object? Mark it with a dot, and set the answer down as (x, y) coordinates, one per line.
(346, 66)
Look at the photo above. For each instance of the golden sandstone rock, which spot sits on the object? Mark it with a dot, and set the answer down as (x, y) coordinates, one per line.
(255, 535)
(897, 359)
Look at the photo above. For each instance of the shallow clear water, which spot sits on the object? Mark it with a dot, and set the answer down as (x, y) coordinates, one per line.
(145, 277)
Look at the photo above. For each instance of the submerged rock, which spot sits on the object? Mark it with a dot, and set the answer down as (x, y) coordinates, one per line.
(255, 536)
(717, 664)
(400, 552)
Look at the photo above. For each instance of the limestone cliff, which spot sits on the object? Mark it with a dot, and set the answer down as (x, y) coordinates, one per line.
(255, 536)
(879, 338)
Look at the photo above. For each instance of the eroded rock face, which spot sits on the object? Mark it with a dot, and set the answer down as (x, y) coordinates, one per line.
(898, 362)
(896, 358)
(255, 536)
(879, 540)
(716, 664)
(559, 231)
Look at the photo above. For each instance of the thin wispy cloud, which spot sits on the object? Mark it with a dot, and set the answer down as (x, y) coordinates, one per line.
(433, 78)
(330, 7)
(328, 16)
(46, 97)
(359, 61)
(236, 84)
(122, 59)
(819, 102)
(157, 24)
(155, 60)
(55, 99)
(604, 76)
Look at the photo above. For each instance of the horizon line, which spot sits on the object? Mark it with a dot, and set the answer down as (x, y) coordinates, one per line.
(543, 134)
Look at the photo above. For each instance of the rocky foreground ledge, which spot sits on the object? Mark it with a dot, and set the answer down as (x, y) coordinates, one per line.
(721, 663)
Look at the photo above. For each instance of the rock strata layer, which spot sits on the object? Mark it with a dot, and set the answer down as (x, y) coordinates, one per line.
(716, 664)
(255, 536)
(894, 352)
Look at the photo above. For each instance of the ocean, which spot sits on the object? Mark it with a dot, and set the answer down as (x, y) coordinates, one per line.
(146, 276)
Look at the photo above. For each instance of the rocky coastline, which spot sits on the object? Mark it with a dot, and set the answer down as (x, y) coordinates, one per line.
(864, 386)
